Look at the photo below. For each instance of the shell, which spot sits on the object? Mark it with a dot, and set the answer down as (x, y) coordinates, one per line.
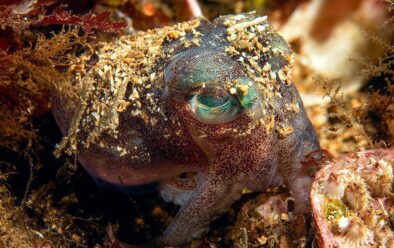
(352, 200)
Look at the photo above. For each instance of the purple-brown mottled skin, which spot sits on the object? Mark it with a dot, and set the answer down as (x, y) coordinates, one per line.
(225, 162)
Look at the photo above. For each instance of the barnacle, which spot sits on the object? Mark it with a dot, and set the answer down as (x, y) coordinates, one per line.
(379, 177)
(334, 187)
(371, 217)
(356, 195)
(357, 234)
(385, 237)
(352, 200)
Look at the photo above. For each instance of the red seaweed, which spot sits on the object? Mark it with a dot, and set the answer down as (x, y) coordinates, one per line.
(86, 22)
(28, 13)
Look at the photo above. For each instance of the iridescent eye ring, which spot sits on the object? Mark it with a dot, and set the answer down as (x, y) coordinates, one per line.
(212, 109)
(216, 107)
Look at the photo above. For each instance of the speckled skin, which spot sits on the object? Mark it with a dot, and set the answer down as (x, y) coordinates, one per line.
(227, 157)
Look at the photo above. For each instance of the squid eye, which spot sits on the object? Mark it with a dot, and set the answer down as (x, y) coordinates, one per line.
(214, 109)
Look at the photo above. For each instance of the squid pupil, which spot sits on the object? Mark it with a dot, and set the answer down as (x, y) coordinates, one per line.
(212, 101)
